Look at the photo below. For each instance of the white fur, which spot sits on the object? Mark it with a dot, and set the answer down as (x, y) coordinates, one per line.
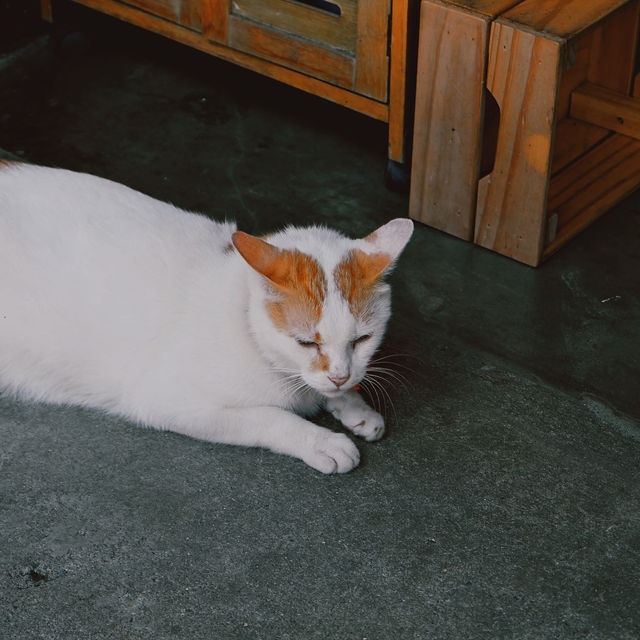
(114, 300)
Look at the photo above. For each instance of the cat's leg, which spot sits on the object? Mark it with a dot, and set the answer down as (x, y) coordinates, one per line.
(356, 415)
(283, 432)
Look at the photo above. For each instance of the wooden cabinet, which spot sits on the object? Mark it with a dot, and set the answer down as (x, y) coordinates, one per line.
(353, 52)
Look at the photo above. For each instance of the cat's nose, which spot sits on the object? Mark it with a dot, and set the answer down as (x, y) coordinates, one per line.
(338, 379)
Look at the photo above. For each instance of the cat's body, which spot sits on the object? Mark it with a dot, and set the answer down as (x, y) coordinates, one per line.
(114, 300)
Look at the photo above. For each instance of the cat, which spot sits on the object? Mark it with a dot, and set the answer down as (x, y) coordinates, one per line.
(114, 300)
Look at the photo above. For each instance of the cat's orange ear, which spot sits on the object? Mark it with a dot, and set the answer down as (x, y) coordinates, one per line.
(387, 243)
(271, 262)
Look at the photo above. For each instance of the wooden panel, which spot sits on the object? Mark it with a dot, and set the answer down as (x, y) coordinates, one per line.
(599, 106)
(398, 81)
(604, 54)
(487, 8)
(184, 12)
(314, 24)
(448, 117)
(560, 19)
(613, 51)
(523, 77)
(577, 60)
(346, 98)
(46, 11)
(402, 75)
(372, 63)
(291, 52)
(574, 138)
(215, 15)
(591, 186)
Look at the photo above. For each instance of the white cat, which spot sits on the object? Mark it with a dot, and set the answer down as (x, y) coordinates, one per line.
(114, 300)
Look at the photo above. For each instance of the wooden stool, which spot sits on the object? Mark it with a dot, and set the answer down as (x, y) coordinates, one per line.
(560, 72)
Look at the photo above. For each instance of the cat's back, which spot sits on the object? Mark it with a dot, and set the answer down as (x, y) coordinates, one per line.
(94, 276)
(65, 207)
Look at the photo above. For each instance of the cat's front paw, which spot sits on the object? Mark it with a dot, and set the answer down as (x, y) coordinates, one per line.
(368, 424)
(333, 453)
(357, 416)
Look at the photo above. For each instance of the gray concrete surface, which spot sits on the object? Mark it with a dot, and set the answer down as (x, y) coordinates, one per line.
(505, 500)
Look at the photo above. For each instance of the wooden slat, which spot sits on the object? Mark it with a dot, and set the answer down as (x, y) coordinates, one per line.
(372, 63)
(317, 26)
(215, 14)
(614, 47)
(560, 19)
(178, 11)
(608, 109)
(569, 184)
(605, 54)
(487, 8)
(364, 105)
(574, 138)
(596, 183)
(292, 52)
(575, 74)
(448, 117)
(45, 10)
(523, 77)
(398, 80)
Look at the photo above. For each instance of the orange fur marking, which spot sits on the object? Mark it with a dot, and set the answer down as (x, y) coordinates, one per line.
(320, 362)
(356, 275)
(298, 279)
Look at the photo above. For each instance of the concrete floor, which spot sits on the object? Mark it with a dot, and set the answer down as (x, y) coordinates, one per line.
(505, 500)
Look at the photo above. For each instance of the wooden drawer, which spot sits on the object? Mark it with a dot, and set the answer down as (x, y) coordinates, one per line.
(343, 42)
(183, 12)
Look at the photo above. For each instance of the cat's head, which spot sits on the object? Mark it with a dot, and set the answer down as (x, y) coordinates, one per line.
(324, 303)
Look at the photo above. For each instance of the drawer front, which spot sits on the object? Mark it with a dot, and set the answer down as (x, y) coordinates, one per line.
(342, 42)
(182, 12)
(324, 22)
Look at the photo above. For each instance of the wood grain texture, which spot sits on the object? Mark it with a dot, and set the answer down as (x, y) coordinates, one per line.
(215, 14)
(448, 118)
(523, 77)
(320, 27)
(292, 52)
(574, 138)
(591, 186)
(46, 11)
(398, 88)
(184, 12)
(608, 109)
(487, 8)
(372, 62)
(560, 19)
(614, 47)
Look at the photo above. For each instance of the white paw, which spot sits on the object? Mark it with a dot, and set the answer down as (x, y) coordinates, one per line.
(366, 423)
(333, 453)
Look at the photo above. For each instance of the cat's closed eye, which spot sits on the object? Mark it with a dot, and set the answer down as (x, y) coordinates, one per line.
(360, 339)
(306, 343)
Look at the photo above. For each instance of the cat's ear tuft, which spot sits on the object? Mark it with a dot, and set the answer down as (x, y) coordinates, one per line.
(390, 239)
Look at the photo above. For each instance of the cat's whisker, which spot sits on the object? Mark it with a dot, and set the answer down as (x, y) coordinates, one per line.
(381, 400)
(392, 376)
(376, 384)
